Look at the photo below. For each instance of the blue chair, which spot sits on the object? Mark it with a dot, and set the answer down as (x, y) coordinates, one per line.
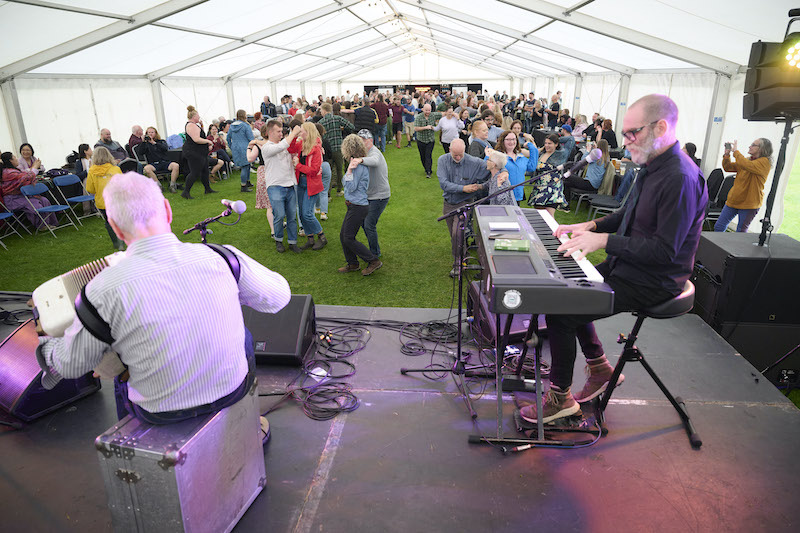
(7, 221)
(68, 180)
(39, 189)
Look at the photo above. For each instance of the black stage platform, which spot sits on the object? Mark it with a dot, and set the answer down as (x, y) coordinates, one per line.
(401, 461)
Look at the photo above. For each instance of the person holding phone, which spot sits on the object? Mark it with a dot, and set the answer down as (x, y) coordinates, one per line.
(747, 193)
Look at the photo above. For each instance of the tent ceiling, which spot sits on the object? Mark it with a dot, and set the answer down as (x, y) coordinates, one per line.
(229, 39)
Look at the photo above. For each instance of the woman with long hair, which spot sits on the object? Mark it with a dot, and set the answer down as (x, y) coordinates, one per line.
(307, 150)
(595, 172)
(745, 198)
(83, 161)
(156, 153)
(12, 179)
(195, 151)
(548, 192)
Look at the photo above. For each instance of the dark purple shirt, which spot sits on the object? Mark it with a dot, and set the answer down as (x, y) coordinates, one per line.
(658, 247)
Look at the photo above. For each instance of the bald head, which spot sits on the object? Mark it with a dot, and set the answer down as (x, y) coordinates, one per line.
(657, 107)
(426, 109)
(457, 150)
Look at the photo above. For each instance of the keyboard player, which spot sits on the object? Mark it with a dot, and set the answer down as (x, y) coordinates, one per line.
(650, 243)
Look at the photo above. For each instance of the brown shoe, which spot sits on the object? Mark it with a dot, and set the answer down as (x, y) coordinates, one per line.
(556, 405)
(309, 243)
(349, 268)
(599, 372)
(372, 267)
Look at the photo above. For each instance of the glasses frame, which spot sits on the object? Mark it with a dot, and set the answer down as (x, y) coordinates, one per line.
(630, 135)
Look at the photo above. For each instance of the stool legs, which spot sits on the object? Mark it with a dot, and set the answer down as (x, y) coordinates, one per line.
(632, 353)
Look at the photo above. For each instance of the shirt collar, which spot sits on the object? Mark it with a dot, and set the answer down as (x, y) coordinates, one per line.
(153, 243)
(661, 160)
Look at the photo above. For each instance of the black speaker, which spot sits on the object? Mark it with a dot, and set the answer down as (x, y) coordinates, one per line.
(287, 337)
(21, 391)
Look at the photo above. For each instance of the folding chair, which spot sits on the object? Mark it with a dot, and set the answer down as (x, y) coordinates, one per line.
(606, 185)
(143, 161)
(607, 204)
(7, 221)
(71, 179)
(14, 217)
(716, 203)
(40, 189)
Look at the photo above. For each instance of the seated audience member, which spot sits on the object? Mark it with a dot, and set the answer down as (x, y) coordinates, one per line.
(747, 193)
(100, 173)
(137, 136)
(480, 140)
(566, 140)
(220, 146)
(595, 172)
(27, 161)
(690, 149)
(171, 375)
(84, 161)
(580, 126)
(564, 119)
(111, 145)
(356, 183)
(155, 151)
(608, 134)
(548, 192)
(498, 179)
(11, 180)
(258, 121)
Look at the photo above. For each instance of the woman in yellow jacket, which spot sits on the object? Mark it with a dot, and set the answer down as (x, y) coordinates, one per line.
(100, 173)
(747, 193)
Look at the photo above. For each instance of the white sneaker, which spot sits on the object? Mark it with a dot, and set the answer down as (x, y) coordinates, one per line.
(323, 216)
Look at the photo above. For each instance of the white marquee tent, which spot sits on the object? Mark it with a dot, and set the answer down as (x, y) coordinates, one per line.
(71, 67)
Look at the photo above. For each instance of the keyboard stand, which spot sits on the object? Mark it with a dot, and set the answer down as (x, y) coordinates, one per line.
(513, 444)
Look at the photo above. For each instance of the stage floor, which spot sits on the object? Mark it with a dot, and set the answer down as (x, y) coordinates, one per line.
(401, 461)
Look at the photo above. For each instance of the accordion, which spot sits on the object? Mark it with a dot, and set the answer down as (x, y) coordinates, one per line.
(54, 300)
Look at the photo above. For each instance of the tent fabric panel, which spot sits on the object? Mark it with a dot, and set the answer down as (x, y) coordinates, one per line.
(126, 8)
(527, 50)
(278, 69)
(611, 49)
(314, 30)
(347, 43)
(248, 93)
(209, 97)
(238, 18)
(470, 31)
(137, 52)
(35, 29)
(600, 94)
(233, 61)
(715, 28)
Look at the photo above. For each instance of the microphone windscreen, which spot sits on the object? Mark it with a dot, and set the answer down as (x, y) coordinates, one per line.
(239, 207)
(595, 155)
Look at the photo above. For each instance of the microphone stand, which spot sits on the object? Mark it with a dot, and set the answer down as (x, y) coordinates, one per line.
(464, 213)
(202, 226)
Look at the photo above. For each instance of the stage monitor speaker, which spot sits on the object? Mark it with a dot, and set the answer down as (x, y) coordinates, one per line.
(764, 344)
(21, 392)
(485, 322)
(287, 337)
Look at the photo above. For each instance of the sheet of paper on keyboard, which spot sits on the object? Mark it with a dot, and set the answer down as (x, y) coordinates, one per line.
(503, 226)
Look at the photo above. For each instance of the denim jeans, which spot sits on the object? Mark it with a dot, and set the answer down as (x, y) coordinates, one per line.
(306, 205)
(245, 177)
(746, 216)
(322, 198)
(126, 407)
(284, 204)
(370, 225)
(380, 142)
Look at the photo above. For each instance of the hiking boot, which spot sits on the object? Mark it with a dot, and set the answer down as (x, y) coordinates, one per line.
(556, 405)
(245, 188)
(372, 267)
(280, 247)
(321, 242)
(599, 372)
(296, 249)
(173, 187)
(186, 195)
(349, 268)
(248, 184)
(211, 191)
(309, 243)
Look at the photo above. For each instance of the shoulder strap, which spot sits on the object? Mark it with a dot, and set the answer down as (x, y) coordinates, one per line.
(91, 319)
(229, 257)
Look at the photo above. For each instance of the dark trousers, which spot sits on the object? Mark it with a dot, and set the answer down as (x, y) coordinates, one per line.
(576, 182)
(336, 170)
(353, 249)
(446, 147)
(562, 330)
(426, 155)
(126, 407)
(198, 169)
(453, 227)
(114, 239)
(376, 208)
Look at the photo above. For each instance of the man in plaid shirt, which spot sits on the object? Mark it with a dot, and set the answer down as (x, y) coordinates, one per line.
(336, 128)
(423, 125)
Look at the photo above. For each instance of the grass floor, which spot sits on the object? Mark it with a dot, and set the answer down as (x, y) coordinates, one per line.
(415, 247)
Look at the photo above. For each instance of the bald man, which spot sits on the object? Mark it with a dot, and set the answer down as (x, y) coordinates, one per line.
(650, 244)
(424, 124)
(461, 177)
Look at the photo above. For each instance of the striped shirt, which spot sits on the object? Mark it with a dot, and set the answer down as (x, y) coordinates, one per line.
(426, 136)
(174, 310)
(334, 124)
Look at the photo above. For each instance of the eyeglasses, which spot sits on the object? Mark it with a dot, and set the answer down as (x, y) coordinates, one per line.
(630, 135)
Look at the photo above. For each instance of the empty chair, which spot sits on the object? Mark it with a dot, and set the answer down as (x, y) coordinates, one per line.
(71, 179)
(716, 203)
(57, 210)
(608, 204)
(8, 221)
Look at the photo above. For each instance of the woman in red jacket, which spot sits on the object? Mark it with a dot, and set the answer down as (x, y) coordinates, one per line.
(11, 180)
(307, 150)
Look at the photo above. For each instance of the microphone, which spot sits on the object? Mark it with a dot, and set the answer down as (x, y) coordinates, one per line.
(594, 155)
(237, 206)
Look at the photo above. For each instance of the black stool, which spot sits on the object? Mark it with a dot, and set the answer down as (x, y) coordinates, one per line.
(680, 305)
